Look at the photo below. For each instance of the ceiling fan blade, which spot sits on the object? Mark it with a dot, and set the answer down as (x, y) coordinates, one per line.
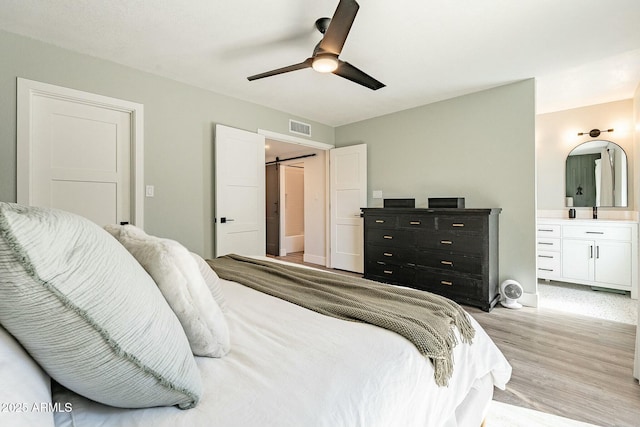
(306, 64)
(339, 27)
(350, 72)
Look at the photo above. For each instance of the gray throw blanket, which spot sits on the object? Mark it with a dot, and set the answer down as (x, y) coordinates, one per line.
(425, 319)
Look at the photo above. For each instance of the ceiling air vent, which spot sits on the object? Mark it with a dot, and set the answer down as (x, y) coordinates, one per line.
(299, 128)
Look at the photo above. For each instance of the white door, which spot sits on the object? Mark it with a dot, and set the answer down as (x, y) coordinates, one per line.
(240, 192)
(75, 153)
(348, 189)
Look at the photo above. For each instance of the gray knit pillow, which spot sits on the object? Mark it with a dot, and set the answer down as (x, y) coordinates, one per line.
(89, 314)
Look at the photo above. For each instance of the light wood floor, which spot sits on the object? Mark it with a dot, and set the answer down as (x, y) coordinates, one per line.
(573, 366)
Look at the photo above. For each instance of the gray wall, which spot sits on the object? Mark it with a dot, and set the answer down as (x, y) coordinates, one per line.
(179, 123)
(479, 146)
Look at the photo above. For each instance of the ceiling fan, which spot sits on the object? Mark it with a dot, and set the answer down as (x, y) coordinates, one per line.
(325, 55)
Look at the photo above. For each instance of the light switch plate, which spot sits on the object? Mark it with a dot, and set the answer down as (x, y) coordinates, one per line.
(149, 190)
(377, 194)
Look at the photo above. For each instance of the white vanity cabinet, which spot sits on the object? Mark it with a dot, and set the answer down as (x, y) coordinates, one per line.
(601, 253)
(548, 251)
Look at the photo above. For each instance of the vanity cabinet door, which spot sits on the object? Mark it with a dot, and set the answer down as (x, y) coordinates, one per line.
(613, 263)
(578, 259)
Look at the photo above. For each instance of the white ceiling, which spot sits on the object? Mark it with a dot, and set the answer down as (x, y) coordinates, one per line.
(581, 52)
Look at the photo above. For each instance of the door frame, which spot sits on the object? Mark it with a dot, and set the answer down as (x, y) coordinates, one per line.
(28, 89)
(319, 146)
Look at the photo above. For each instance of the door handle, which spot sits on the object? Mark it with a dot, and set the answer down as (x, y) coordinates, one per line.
(224, 220)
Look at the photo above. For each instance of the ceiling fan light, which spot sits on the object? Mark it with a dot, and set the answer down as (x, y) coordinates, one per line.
(325, 63)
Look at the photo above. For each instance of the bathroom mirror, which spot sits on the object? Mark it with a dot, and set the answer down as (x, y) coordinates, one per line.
(596, 175)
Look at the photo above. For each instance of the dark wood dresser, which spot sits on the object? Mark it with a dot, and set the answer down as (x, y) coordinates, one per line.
(450, 252)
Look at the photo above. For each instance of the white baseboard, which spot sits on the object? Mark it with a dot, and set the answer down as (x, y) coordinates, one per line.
(294, 243)
(314, 259)
(529, 300)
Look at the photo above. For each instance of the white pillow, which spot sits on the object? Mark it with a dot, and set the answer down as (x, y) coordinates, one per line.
(25, 387)
(89, 314)
(178, 277)
(212, 280)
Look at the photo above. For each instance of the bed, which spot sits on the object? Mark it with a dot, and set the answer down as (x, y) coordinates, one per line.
(278, 364)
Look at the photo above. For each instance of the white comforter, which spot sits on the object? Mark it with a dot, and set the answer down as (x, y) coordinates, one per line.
(289, 366)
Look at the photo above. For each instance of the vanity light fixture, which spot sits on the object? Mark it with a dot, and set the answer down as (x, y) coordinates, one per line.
(594, 133)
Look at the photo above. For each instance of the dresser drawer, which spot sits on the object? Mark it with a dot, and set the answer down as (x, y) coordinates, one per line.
(548, 244)
(460, 223)
(451, 262)
(391, 238)
(451, 242)
(548, 230)
(596, 232)
(390, 273)
(381, 221)
(417, 222)
(548, 265)
(402, 255)
(448, 284)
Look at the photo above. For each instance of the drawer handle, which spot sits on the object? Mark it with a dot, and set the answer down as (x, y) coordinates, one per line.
(381, 263)
(388, 237)
(446, 263)
(545, 269)
(545, 243)
(457, 224)
(446, 282)
(545, 256)
(545, 229)
(387, 254)
(415, 222)
(446, 242)
(380, 221)
(595, 232)
(388, 272)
